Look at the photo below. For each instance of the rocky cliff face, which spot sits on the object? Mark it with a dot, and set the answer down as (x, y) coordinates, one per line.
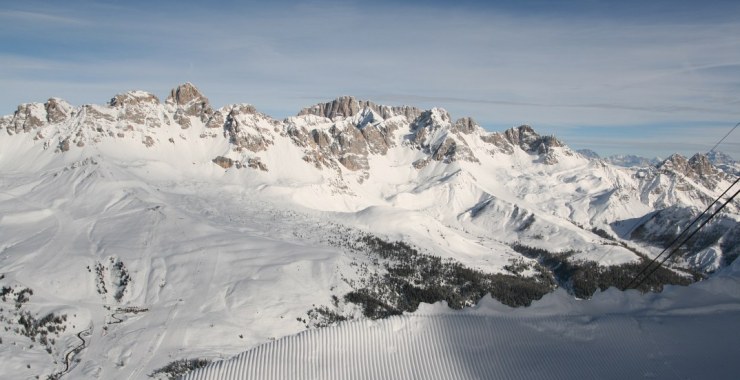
(136, 107)
(348, 106)
(27, 118)
(361, 128)
(697, 168)
(525, 138)
(189, 103)
(57, 110)
(434, 134)
(244, 127)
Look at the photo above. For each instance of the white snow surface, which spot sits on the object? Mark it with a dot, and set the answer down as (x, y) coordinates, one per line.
(683, 333)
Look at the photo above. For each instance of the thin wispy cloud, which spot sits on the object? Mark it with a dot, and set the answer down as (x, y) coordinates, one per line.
(603, 106)
(36, 16)
(503, 66)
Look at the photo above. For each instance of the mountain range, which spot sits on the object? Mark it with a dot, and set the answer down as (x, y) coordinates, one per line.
(721, 160)
(140, 232)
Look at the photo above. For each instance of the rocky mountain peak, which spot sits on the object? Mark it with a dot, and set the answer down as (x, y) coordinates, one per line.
(27, 116)
(523, 136)
(133, 98)
(185, 94)
(189, 102)
(719, 158)
(701, 165)
(348, 106)
(433, 118)
(698, 167)
(343, 106)
(724, 162)
(433, 133)
(135, 107)
(465, 125)
(676, 162)
(57, 110)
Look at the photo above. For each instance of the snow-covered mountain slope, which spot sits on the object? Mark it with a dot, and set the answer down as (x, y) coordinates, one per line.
(686, 333)
(149, 272)
(725, 162)
(140, 232)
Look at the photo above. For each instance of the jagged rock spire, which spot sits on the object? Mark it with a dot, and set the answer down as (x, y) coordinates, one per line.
(189, 101)
(186, 94)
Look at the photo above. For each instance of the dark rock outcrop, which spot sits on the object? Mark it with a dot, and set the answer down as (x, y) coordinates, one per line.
(256, 163)
(223, 162)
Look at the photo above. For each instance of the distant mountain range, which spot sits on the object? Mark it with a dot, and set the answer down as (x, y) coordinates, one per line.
(721, 160)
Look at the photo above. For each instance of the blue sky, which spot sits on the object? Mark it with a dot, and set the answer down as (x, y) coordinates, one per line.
(647, 77)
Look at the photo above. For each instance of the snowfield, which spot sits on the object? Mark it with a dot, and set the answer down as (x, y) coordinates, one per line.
(232, 273)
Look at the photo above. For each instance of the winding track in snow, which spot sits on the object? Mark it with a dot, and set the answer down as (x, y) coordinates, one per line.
(71, 353)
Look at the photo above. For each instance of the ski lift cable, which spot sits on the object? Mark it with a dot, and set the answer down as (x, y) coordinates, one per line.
(680, 235)
(687, 239)
(723, 139)
(645, 268)
(702, 225)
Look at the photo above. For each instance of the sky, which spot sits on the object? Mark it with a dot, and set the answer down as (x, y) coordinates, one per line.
(628, 77)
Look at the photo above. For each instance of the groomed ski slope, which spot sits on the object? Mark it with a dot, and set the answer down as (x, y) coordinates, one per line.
(683, 333)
